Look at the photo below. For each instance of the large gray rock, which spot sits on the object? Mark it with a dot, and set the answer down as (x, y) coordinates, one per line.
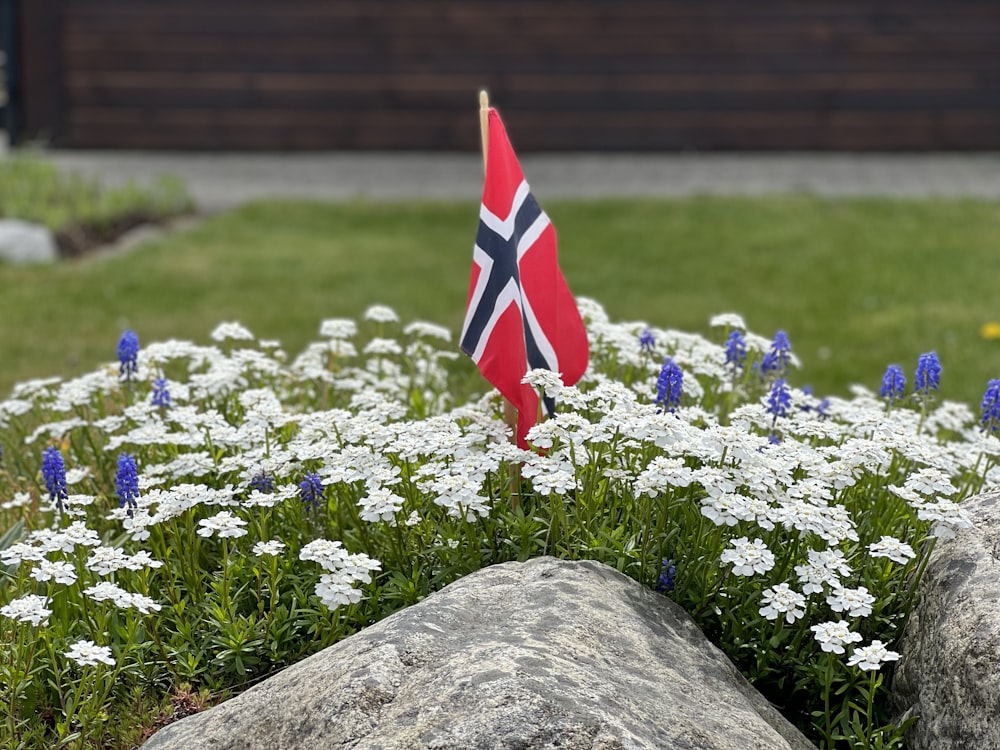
(23, 243)
(542, 654)
(949, 670)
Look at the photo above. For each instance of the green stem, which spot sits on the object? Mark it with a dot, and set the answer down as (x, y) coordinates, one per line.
(827, 685)
(871, 708)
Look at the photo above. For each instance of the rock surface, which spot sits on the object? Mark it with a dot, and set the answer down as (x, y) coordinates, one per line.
(542, 654)
(24, 243)
(949, 673)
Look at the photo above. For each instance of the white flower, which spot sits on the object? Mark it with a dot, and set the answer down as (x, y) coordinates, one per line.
(106, 560)
(833, 636)
(895, 550)
(60, 572)
(856, 602)
(748, 557)
(548, 382)
(948, 515)
(360, 567)
(781, 599)
(272, 547)
(20, 500)
(871, 657)
(334, 590)
(342, 349)
(905, 493)
(144, 604)
(88, 654)
(930, 482)
(77, 475)
(78, 533)
(330, 555)
(383, 346)
(233, 330)
(557, 481)
(140, 560)
(29, 608)
(423, 329)
(381, 314)
(380, 505)
(19, 551)
(824, 568)
(727, 320)
(223, 522)
(724, 509)
(105, 590)
(338, 328)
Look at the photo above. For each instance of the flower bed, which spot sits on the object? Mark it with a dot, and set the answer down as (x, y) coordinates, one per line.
(196, 517)
(83, 215)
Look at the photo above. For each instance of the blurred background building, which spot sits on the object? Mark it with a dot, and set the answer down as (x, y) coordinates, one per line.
(610, 75)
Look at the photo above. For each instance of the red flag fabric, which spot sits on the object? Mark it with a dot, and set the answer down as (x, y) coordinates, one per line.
(520, 314)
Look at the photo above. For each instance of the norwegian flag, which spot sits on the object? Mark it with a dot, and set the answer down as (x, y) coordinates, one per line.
(520, 313)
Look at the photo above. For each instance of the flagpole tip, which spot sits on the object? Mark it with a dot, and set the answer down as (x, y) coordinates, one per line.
(484, 99)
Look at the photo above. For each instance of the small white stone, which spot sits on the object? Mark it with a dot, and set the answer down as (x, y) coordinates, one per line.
(24, 243)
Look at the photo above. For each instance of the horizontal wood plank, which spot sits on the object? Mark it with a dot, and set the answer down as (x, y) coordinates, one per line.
(568, 74)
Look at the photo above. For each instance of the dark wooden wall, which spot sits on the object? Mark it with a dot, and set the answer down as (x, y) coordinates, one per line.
(566, 74)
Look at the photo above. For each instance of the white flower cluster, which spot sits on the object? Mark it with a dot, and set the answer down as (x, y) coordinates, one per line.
(89, 654)
(748, 557)
(380, 430)
(29, 608)
(336, 586)
(272, 548)
(872, 657)
(224, 524)
(107, 591)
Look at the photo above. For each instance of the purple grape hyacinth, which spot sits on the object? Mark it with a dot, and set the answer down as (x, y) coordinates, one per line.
(893, 384)
(928, 376)
(128, 352)
(779, 400)
(669, 385)
(54, 475)
(736, 350)
(127, 482)
(991, 407)
(311, 489)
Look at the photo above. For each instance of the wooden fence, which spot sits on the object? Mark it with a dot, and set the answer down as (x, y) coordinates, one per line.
(567, 74)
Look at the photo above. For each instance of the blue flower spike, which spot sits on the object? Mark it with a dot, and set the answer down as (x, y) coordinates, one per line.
(311, 490)
(161, 395)
(928, 376)
(127, 483)
(128, 353)
(779, 400)
(669, 385)
(991, 407)
(668, 572)
(54, 476)
(893, 384)
(736, 350)
(647, 340)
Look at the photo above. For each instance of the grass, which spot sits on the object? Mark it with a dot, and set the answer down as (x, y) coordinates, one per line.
(856, 284)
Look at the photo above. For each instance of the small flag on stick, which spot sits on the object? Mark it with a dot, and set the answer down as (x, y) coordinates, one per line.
(520, 313)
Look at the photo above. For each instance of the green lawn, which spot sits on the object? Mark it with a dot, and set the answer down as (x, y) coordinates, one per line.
(856, 284)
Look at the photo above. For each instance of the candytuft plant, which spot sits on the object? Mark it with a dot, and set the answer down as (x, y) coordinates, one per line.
(193, 522)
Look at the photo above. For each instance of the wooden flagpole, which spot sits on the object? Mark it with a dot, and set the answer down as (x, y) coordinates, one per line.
(484, 125)
(509, 411)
